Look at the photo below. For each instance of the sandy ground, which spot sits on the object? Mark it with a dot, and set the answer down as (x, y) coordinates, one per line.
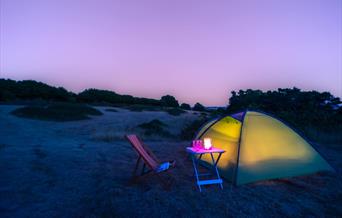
(83, 169)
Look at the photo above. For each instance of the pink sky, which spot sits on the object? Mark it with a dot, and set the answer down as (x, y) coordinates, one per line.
(194, 50)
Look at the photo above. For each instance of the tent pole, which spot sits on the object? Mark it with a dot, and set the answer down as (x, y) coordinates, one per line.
(238, 153)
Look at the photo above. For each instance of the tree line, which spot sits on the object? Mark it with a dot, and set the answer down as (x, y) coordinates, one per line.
(11, 91)
(299, 108)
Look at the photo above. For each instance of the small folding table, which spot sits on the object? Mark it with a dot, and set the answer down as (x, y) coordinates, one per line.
(196, 155)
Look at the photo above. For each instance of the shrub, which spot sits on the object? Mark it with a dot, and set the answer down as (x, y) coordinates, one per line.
(11, 90)
(169, 101)
(175, 111)
(189, 131)
(306, 111)
(185, 106)
(219, 112)
(106, 96)
(154, 127)
(198, 107)
(321, 136)
(57, 112)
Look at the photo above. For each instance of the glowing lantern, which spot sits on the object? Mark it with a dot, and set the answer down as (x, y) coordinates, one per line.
(207, 143)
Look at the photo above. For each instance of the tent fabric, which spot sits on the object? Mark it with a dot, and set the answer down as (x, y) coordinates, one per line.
(260, 147)
(226, 140)
(238, 116)
(205, 127)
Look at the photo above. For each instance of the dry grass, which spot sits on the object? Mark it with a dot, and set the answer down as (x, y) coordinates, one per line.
(108, 137)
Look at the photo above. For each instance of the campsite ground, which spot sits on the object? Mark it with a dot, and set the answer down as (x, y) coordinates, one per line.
(82, 169)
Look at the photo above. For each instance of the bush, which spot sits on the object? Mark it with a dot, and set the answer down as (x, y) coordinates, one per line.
(154, 127)
(57, 112)
(327, 137)
(219, 112)
(185, 106)
(169, 101)
(95, 96)
(175, 111)
(189, 131)
(110, 97)
(306, 111)
(11, 90)
(198, 107)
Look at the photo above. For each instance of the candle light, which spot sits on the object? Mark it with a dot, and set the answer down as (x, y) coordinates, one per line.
(207, 143)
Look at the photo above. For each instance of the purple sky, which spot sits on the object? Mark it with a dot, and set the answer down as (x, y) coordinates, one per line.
(194, 50)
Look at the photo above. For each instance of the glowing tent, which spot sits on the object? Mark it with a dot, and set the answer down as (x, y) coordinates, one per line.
(259, 147)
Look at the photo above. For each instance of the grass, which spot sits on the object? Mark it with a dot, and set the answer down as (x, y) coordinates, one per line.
(57, 112)
(111, 110)
(94, 182)
(154, 127)
(107, 137)
(39, 153)
(2, 146)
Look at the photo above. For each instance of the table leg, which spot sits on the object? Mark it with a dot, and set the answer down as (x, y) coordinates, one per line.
(194, 162)
(215, 166)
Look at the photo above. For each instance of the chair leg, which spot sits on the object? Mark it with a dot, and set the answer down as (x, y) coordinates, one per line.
(143, 169)
(136, 175)
(136, 166)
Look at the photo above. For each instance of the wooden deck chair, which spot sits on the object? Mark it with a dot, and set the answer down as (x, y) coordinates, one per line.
(149, 160)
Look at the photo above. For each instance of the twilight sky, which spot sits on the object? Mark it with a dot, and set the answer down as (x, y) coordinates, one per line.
(196, 50)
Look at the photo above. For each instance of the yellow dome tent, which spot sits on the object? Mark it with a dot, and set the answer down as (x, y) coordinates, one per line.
(259, 147)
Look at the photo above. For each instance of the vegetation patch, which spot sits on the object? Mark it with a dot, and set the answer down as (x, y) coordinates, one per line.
(185, 106)
(318, 115)
(57, 112)
(154, 127)
(175, 111)
(198, 107)
(189, 131)
(323, 136)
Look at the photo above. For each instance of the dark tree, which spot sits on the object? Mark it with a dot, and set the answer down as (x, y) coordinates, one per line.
(105, 96)
(198, 107)
(300, 108)
(11, 90)
(185, 106)
(169, 101)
